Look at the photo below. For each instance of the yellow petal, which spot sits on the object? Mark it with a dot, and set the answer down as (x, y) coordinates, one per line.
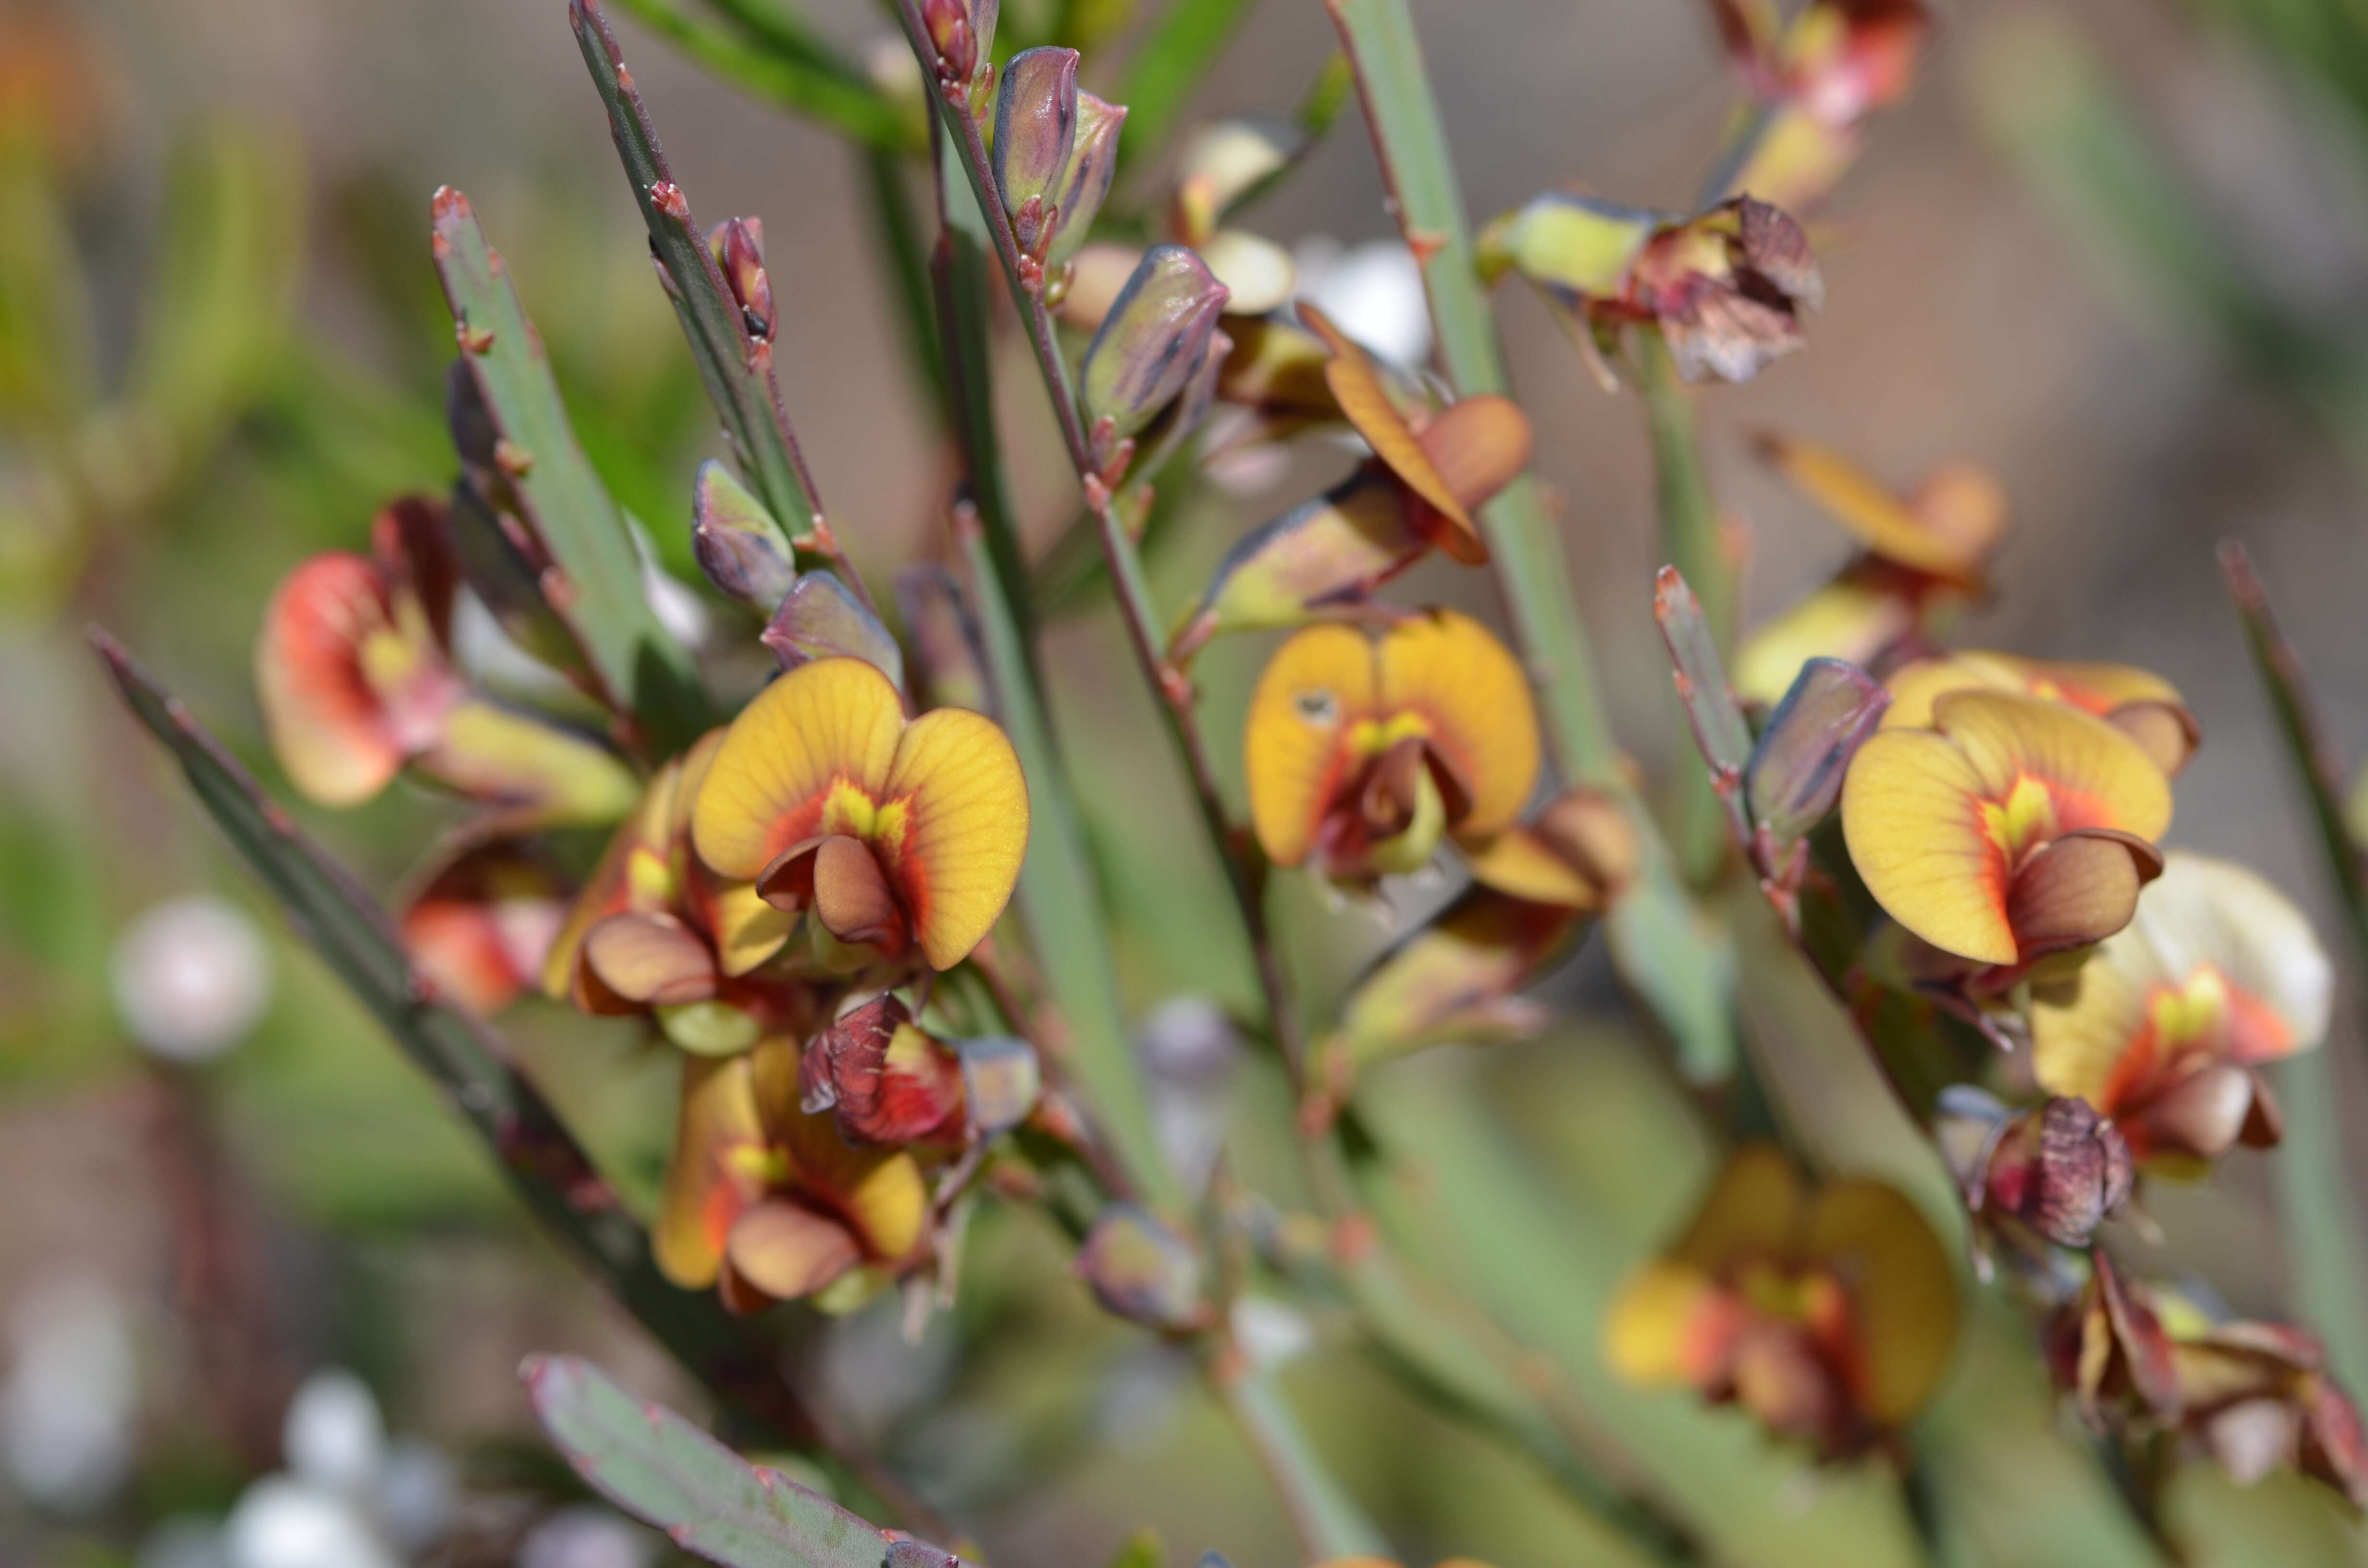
(747, 929)
(1356, 382)
(1911, 815)
(1904, 1294)
(1753, 1208)
(1851, 619)
(879, 1192)
(1451, 670)
(711, 1177)
(614, 887)
(1319, 683)
(1650, 1326)
(832, 721)
(965, 829)
(1521, 863)
(2137, 701)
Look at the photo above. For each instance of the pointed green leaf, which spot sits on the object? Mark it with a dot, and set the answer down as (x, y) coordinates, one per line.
(665, 1471)
(536, 461)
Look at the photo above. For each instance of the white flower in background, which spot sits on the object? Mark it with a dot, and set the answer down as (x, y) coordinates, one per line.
(1373, 291)
(1269, 1332)
(191, 978)
(349, 1497)
(587, 1536)
(66, 1410)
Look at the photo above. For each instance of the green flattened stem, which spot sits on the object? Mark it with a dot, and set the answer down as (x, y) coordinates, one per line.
(645, 671)
(2315, 1183)
(1662, 948)
(670, 1475)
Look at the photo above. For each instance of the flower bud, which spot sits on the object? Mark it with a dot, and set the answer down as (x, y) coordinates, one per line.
(819, 618)
(1796, 775)
(1093, 159)
(1141, 1270)
(1035, 132)
(742, 550)
(888, 1082)
(960, 33)
(739, 247)
(1157, 335)
(2058, 1167)
(1001, 1079)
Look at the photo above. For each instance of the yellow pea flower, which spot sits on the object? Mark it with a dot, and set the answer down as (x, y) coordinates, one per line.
(1364, 753)
(1828, 1313)
(2011, 829)
(2129, 698)
(2166, 1027)
(894, 834)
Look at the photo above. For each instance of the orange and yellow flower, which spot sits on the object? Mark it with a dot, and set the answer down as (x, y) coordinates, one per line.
(1364, 753)
(2009, 829)
(768, 1201)
(2166, 1027)
(357, 681)
(894, 835)
(1838, 62)
(1828, 1313)
(482, 922)
(1921, 561)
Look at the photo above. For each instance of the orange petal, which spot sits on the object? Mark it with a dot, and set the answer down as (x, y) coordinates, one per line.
(788, 1251)
(481, 925)
(1902, 1288)
(1479, 445)
(711, 1175)
(1475, 699)
(650, 959)
(1319, 684)
(1879, 520)
(964, 830)
(1357, 383)
(1521, 863)
(349, 694)
(2078, 891)
(834, 722)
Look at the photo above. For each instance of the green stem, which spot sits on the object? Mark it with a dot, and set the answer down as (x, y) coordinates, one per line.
(1327, 1521)
(1067, 928)
(2314, 1186)
(1655, 940)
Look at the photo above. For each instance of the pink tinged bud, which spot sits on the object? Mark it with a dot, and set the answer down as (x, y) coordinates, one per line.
(957, 42)
(1092, 161)
(1156, 336)
(1035, 132)
(2060, 1168)
(819, 618)
(740, 548)
(739, 247)
(1796, 775)
(1141, 1270)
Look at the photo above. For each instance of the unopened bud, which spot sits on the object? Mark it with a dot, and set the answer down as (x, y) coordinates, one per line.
(739, 247)
(821, 618)
(739, 546)
(1141, 1270)
(1001, 1080)
(2059, 1167)
(1157, 333)
(1093, 159)
(1796, 768)
(1035, 132)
